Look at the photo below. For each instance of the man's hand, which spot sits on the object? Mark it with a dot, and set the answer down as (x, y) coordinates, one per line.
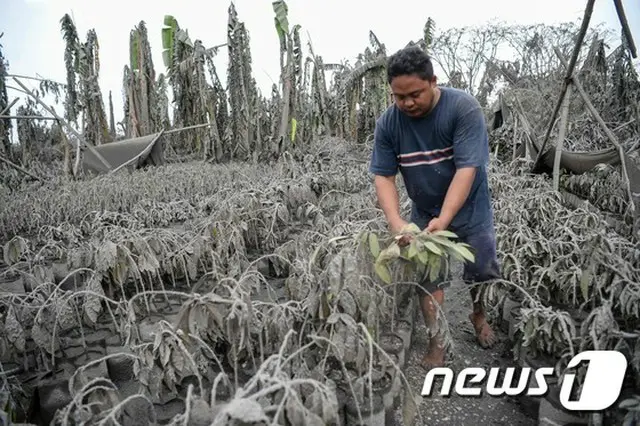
(396, 226)
(437, 224)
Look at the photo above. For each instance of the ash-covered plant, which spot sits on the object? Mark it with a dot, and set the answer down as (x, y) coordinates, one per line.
(427, 253)
(335, 278)
(140, 257)
(631, 406)
(351, 357)
(50, 316)
(163, 364)
(227, 246)
(603, 186)
(281, 391)
(544, 330)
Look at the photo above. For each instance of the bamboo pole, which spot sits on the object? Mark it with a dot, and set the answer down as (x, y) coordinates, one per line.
(603, 125)
(564, 117)
(625, 27)
(27, 117)
(515, 136)
(572, 63)
(195, 126)
(8, 107)
(20, 169)
(36, 79)
(64, 123)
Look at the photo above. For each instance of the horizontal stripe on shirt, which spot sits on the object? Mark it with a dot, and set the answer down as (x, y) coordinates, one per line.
(425, 157)
(425, 162)
(435, 151)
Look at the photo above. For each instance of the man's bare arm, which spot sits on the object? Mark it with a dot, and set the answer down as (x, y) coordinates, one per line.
(389, 201)
(457, 193)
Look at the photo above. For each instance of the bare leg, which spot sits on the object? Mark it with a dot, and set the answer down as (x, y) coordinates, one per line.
(484, 333)
(430, 304)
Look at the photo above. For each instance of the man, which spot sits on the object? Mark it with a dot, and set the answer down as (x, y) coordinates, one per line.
(437, 137)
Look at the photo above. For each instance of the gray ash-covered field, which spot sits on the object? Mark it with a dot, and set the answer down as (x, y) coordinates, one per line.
(200, 294)
(248, 288)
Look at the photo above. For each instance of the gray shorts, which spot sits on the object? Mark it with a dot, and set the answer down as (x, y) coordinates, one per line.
(486, 266)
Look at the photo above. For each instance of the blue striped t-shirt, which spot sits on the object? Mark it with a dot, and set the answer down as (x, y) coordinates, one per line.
(428, 150)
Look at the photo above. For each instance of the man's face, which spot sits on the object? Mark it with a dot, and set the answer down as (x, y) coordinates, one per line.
(412, 94)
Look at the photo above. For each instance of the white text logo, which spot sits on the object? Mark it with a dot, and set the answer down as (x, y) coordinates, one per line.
(600, 389)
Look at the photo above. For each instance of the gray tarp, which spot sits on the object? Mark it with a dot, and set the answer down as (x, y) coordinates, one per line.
(582, 162)
(574, 162)
(118, 153)
(577, 162)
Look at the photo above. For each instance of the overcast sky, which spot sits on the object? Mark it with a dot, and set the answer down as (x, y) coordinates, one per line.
(339, 29)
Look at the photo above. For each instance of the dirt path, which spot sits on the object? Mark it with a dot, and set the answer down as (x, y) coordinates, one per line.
(455, 410)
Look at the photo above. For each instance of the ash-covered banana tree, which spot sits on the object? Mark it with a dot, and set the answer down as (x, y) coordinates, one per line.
(374, 95)
(31, 133)
(95, 128)
(318, 116)
(143, 113)
(5, 125)
(242, 90)
(83, 97)
(350, 86)
(291, 70)
(71, 102)
(194, 98)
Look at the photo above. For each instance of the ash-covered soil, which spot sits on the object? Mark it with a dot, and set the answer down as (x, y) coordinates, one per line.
(456, 410)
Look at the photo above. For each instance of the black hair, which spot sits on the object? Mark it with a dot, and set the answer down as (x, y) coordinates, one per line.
(408, 61)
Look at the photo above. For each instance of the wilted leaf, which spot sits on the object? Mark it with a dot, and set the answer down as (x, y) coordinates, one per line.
(41, 336)
(282, 213)
(413, 249)
(383, 272)
(372, 315)
(434, 248)
(435, 262)
(14, 330)
(424, 257)
(410, 408)
(66, 313)
(122, 267)
(444, 233)
(147, 262)
(106, 256)
(155, 245)
(243, 409)
(585, 279)
(14, 250)
(334, 273)
(464, 252)
(324, 405)
(297, 414)
(374, 245)
(165, 353)
(390, 253)
(178, 361)
(348, 303)
(410, 228)
(93, 301)
(192, 267)
(43, 274)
